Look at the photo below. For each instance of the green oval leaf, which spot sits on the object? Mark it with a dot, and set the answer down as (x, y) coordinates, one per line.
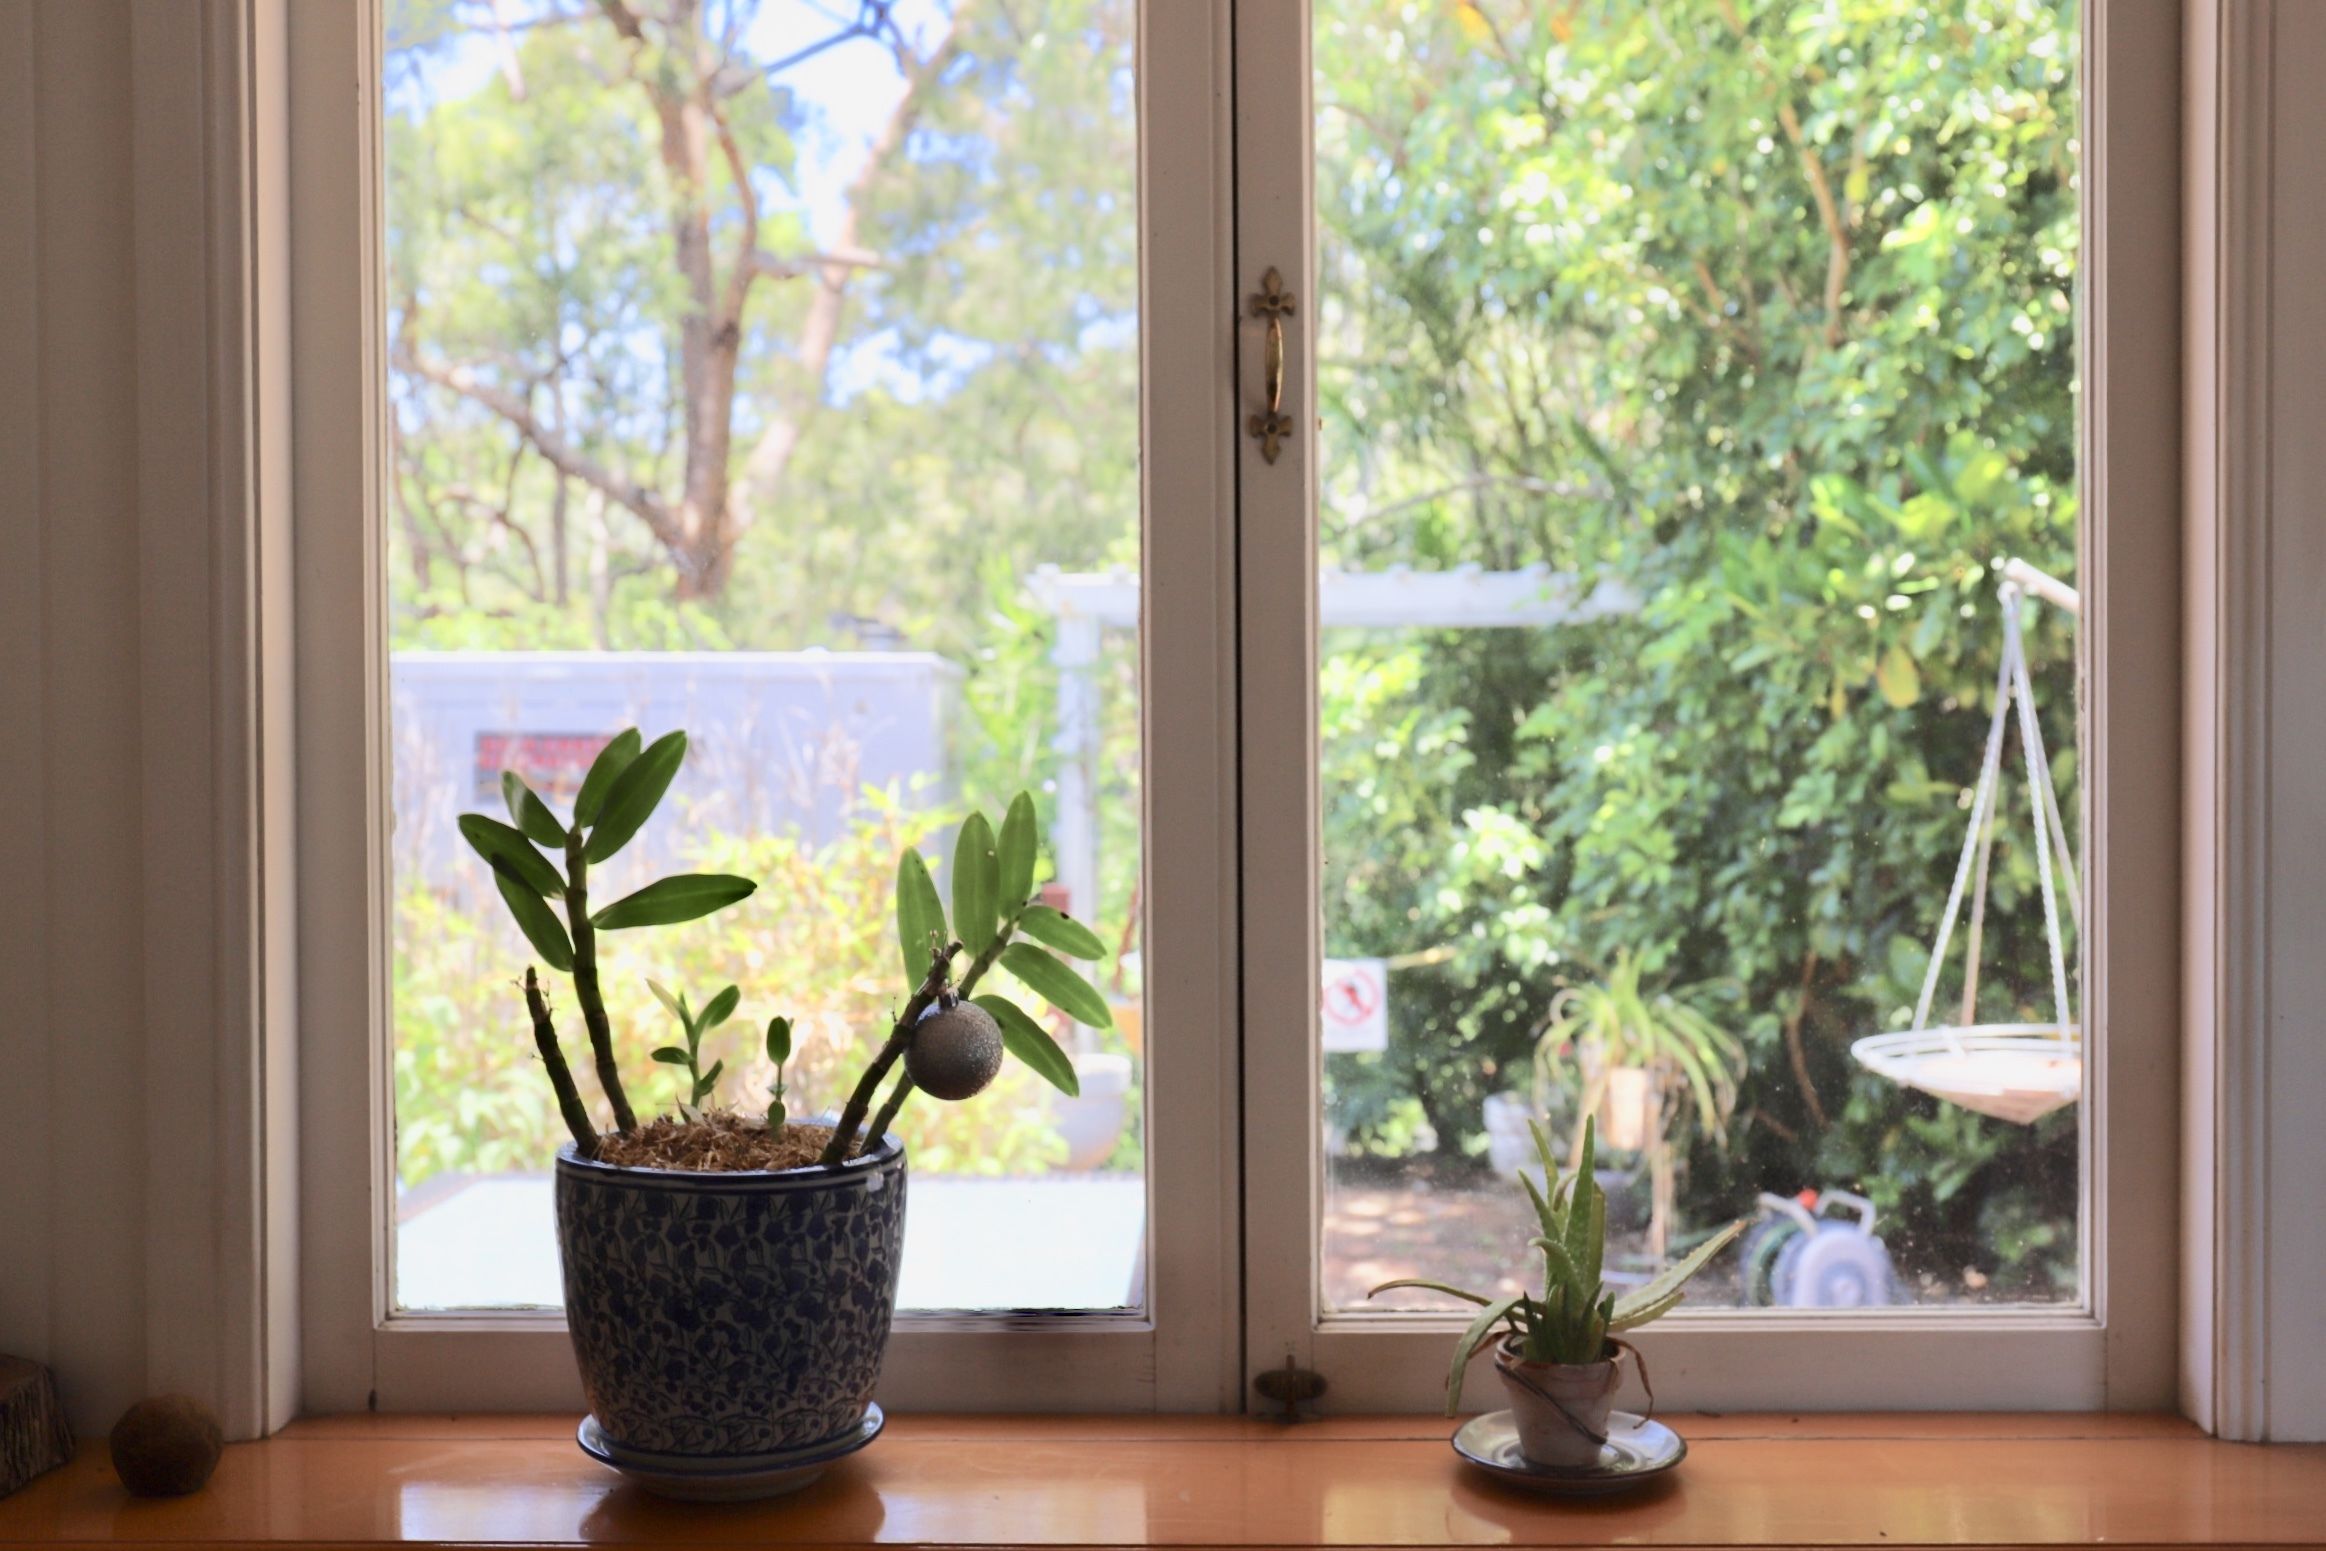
(920, 916)
(671, 1055)
(507, 851)
(1899, 680)
(1014, 853)
(976, 884)
(722, 1008)
(533, 817)
(1061, 931)
(537, 921)
(675, 1004)
(779, 1040)
(668, 900)
(636, 792)
(612, 760)
(775, 1114)
(1022, 1037)
(1061, 987)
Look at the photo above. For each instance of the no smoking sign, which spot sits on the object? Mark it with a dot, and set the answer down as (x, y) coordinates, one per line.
(1355, 1006)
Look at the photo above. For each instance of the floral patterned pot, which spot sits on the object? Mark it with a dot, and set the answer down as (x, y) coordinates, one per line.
(1561, 1409)
(730, 1316)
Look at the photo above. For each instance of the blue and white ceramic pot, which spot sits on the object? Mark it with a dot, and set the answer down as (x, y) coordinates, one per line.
(730, 1316)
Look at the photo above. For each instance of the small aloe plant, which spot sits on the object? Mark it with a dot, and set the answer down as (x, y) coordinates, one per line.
(1576, 1320)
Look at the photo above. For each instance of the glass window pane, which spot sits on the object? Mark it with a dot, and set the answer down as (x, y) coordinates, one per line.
(767, 370)
(1690, 372)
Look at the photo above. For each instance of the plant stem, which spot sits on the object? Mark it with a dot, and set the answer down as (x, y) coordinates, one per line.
(905, 1087)
(896, 1101)
(585, 981)
(900, 1036)
(569, 1101)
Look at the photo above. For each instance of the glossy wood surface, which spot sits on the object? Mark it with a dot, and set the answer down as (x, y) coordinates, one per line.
(1229, 1481)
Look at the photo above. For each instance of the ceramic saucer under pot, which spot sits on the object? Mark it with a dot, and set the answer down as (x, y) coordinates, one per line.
(735, 1478)
(1637, 1451)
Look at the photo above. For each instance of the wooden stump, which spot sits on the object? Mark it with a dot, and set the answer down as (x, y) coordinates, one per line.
(34, 1436)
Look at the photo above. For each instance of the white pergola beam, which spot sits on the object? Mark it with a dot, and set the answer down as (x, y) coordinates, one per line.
(1087, 603)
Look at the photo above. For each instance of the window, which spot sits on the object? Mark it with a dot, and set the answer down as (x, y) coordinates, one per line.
(1679, 398)
(783, 375)
(772, 376)
(1608, 598)
(1729, 397)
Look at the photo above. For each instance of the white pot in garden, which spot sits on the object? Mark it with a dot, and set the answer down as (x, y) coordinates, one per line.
(1093, 1122)
(1508, 1142)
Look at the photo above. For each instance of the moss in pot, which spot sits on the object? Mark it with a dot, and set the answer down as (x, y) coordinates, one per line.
(1561, 1355)
(730, 1277)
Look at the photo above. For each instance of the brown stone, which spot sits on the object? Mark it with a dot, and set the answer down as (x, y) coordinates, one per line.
(166, 1446)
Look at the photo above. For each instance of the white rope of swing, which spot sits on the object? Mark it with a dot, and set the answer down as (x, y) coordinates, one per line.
(2013, 688)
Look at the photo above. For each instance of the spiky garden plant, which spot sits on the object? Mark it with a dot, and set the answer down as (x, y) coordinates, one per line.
(1575, 1320)
(945, 1033)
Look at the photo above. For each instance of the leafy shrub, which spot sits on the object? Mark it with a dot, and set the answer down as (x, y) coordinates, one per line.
(816, 942)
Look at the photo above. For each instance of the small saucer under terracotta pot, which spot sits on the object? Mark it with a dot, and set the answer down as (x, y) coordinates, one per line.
(1561, 1409)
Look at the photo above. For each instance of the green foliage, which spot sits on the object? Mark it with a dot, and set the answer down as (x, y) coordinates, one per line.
(1583, 306)
(624, 747)
(976, 885)
(1575, 1316)
(1031, 1043)
(920, 916)
(778, 1052)
(1621, 1024)
(1764, 308)
(694, 1025)
(634, 795)
(1056, 929)
(510, 854)
(1056, 984)
(470, 1096)
(537, 921)
(1014, 852)
(531, 814)
(668, 901)
(622, 789)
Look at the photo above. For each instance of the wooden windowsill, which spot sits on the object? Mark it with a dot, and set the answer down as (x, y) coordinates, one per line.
(1899, 1480)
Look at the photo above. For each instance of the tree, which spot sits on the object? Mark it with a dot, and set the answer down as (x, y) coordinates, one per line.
(608, 297)
(1765, 307)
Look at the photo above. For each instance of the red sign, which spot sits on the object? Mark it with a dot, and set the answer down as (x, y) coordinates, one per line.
(552, 763)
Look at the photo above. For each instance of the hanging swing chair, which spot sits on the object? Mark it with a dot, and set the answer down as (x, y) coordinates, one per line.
(2013, 1071)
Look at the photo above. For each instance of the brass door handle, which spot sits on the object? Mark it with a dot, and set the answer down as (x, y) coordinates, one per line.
(1272, 425)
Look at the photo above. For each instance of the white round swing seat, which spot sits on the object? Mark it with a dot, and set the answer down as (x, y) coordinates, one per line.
(2019, 1072)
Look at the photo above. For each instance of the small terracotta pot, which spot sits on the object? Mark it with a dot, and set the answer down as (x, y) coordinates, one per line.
(1561, 1408)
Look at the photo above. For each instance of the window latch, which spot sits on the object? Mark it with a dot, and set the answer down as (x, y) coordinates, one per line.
(1290, 1387)
(1272, 425)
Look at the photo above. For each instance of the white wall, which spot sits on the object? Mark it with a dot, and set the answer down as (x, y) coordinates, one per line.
(2253, 1365)
(72, 882)
(142, 1239)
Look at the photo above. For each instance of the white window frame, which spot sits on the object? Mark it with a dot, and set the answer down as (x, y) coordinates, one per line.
(284, 1082)
(1180, 1353)
(2117, 1351)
